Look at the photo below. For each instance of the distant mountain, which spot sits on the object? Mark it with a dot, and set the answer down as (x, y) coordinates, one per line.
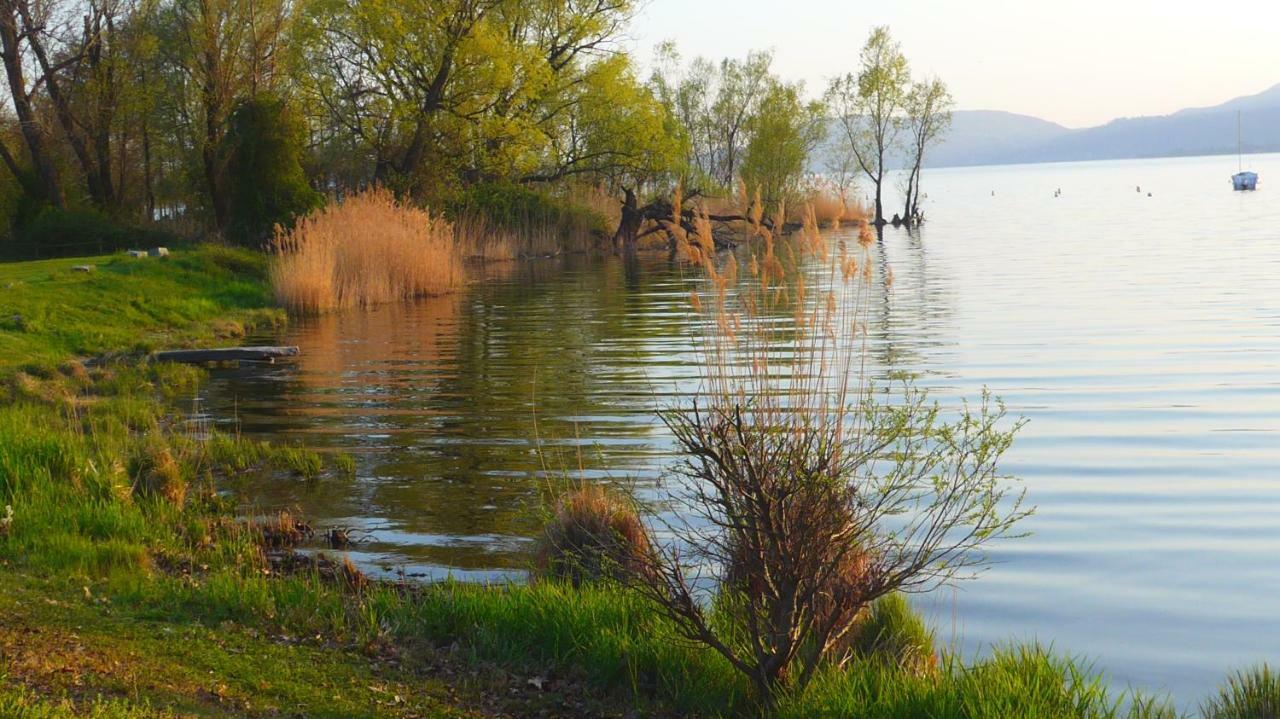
(986, 137)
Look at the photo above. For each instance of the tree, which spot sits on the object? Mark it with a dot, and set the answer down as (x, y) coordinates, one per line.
(215, 53)
(867, 107)
(927, 116)
(716, 104)
(402, 78)
(782, 135)
(14, 35)
(267, 184)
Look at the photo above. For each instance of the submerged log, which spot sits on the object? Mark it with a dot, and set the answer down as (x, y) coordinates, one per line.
(226, 354)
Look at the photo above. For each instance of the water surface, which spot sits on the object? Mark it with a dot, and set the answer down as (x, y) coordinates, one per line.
(1139, 333)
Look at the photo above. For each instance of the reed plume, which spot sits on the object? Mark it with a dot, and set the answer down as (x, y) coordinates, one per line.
(367, 249)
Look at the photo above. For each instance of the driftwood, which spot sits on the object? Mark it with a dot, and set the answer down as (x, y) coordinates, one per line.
(226, 354)
(655, 213)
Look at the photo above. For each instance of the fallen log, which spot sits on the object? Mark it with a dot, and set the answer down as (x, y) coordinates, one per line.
(226, 354)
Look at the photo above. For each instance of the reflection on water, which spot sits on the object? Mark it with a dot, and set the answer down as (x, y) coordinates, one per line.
(1140, 335)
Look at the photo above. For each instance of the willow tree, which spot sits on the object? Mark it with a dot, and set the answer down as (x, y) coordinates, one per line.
(867, 107)
(782, 135)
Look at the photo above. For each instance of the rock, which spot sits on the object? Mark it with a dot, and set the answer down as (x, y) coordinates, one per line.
(137, 253)
(82, 268)
(159, 252)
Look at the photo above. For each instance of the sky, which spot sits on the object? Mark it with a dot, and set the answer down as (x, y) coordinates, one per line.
(1075, 62)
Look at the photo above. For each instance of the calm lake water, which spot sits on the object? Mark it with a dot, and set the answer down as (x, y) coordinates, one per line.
(1139, 335)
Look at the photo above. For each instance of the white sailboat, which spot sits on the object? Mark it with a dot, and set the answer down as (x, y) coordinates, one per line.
(1242, 180)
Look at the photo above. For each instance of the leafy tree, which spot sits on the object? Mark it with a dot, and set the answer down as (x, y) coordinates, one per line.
(717, 104)
(213, 54)
(927, 110)
(867, 107)
(782, 135)
(266, 183)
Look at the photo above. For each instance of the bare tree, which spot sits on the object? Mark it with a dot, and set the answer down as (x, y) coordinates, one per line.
(805, 494)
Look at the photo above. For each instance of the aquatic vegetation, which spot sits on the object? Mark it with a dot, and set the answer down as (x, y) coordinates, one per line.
(367, 249)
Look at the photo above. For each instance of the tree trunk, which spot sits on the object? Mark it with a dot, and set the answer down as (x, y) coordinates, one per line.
(213, 111)
(147, 185)
(11, 54)
(100, 193)
(624, 239)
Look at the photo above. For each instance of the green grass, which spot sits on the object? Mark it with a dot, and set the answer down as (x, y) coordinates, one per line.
(206, 295)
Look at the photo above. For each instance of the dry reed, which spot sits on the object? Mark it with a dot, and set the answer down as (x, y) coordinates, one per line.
(593, 534)
(365, 250)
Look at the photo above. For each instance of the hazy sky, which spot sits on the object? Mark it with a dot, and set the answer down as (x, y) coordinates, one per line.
(1076, 62)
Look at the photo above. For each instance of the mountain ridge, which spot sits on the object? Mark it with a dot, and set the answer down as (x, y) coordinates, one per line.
(994, 137)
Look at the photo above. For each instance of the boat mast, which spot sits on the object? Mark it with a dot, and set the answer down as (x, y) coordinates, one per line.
(1239, 146)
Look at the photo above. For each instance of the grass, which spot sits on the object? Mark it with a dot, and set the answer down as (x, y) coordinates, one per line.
(50, 313)
(367, 249)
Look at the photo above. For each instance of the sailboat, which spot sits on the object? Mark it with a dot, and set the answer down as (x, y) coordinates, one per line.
(1242, 180)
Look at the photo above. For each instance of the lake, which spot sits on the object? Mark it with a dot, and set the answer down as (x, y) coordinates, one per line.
(1138, 333)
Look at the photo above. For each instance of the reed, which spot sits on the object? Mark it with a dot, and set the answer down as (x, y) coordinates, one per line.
(594, 533)
(831, 207)
(366, 250)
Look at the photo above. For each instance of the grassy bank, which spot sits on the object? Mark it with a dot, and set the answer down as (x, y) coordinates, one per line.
(133, 588)
(50, 313)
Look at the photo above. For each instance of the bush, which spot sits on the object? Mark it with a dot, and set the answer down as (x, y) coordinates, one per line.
(1252, 694)
(47, 231)
(532, 216)
(268, 185)
(593, 534)
(41, 230)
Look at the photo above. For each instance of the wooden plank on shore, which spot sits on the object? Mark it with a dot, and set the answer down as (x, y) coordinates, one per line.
(226, 354)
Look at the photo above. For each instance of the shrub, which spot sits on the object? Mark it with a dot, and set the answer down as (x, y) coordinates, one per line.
(1252, 694)
(513, 220)
(368, 249)
(268, 185)
(814, 494)
(593, 534)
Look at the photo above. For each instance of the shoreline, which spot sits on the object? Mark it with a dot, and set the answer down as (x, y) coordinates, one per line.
(118, 524)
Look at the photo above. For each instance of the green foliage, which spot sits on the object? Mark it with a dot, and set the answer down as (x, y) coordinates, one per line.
(783, 134)
(514, 206)
(267, 184)
(42, 230)
(1251, 694)
(714, 105)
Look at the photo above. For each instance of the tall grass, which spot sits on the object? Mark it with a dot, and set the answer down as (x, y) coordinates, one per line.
(365, 250)
(830, 207)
